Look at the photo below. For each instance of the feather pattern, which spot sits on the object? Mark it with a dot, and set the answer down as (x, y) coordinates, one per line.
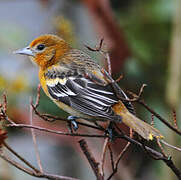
(83, 86)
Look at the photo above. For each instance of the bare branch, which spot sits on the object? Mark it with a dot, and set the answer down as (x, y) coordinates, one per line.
(104, 53)
(20, 157)
(5, 103)
(55, 132)
(175, 119)
(36, 173)
(111, 156)
(91, 159)
(171, 146)
(38, 96)
(106, 141)
(159, 117)
(34, 137)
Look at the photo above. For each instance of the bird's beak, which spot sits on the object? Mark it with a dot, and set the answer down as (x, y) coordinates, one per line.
(25, 51)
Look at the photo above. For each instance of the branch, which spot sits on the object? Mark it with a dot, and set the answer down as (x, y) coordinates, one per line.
(36, 173)
(159, 117)
(20, 157)
(103, 52)
(34, 139)
(106, 142)
(56, 132)
(94, 165)
(158, 155)
(151, 152)
(137, 98)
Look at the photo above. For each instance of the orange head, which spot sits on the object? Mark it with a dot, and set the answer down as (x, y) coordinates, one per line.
(45, 50)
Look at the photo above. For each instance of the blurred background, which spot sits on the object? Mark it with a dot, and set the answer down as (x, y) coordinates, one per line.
(144, 42)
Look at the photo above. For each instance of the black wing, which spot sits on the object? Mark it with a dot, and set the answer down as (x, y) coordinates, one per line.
(85, 96)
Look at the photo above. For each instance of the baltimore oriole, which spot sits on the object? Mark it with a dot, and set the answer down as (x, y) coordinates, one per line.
(80, 86)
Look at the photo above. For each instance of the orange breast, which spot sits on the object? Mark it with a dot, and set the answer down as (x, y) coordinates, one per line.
(42, 81)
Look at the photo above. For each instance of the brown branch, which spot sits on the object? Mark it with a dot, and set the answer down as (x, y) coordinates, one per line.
(119, 78)
(171, 146)
(5, 103)
(153, 152)
(170, 164)
(55, 132)
(94, 165)
(106, 141)
(34, 137)
(104, 53)
(152, 120)
(51, 118)
(137, 98)
(115, 165)
(157, 156)
(20, 157)
(161, 148)
(103, 18)
(38, 96)
(175, 119)
(118, 160)
(111, 156)
(17, 165)
(36, 173)
(159, 117)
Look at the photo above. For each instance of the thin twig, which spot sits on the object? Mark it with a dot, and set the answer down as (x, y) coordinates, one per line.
(20, 157)
(5, 103)
(111, 156)
(161, 148)
(37, 174)
(94, 165)
(171, 146)
(17, 165)
(6, 118)
(119, 78)
(51, 118)
(118, 160)
(175, 118)
(136, 98)
(159, 117)
(55, 132)
(34, 139)
(115, 165)
(106, 141)
(108, 61)
(104, 53)
(152, 120)
(38, 96)
(150, 150)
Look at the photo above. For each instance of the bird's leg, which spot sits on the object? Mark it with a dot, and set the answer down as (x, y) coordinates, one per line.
(72, 123)
(111, 131)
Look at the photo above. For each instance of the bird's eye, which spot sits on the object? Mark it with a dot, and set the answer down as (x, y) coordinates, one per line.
(40, 47)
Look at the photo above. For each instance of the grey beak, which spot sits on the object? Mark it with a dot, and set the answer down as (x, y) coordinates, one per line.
(25, 51)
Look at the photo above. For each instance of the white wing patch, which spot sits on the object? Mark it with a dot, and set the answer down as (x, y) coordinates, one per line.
(54, 82)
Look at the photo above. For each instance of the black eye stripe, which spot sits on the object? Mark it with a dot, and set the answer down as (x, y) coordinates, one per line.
(40, 47)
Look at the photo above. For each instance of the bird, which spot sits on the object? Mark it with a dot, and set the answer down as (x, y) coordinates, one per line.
(81, 87)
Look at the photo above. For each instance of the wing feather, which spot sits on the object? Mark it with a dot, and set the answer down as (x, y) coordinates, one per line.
(75, 92)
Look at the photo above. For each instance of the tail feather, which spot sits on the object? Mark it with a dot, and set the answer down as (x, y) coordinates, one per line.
(142, 128)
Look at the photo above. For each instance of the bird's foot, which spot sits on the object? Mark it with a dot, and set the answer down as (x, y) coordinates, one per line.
(72, 124)
(110, 131)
